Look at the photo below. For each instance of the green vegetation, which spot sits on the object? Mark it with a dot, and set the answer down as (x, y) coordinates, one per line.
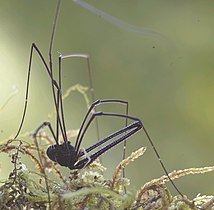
(86, 188)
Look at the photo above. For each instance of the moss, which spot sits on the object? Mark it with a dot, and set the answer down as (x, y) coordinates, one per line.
(87, 188)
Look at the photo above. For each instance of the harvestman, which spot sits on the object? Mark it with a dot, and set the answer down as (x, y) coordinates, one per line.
(66, 154)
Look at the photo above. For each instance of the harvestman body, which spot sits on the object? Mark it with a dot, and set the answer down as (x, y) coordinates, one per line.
(66, 154)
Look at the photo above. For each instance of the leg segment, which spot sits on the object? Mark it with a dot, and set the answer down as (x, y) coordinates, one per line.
(53, 82)
(44, 124)
(118, 136)
(90, 110)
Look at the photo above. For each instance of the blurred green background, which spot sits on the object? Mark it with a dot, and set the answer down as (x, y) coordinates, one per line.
(168, 80)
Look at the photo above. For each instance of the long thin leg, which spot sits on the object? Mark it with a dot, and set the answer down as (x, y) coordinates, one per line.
(44, 124)
(60, 107)
(157, 154)
(94, 115)
(122, 130)
(118, 140)
(85, 57)
(48, 69)
(56, 102)
(124, 145)
(124, 148)
(82, 56)
(94, 104)
(123, 134)
(43, 171)
(54, 84)
(33, 46)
